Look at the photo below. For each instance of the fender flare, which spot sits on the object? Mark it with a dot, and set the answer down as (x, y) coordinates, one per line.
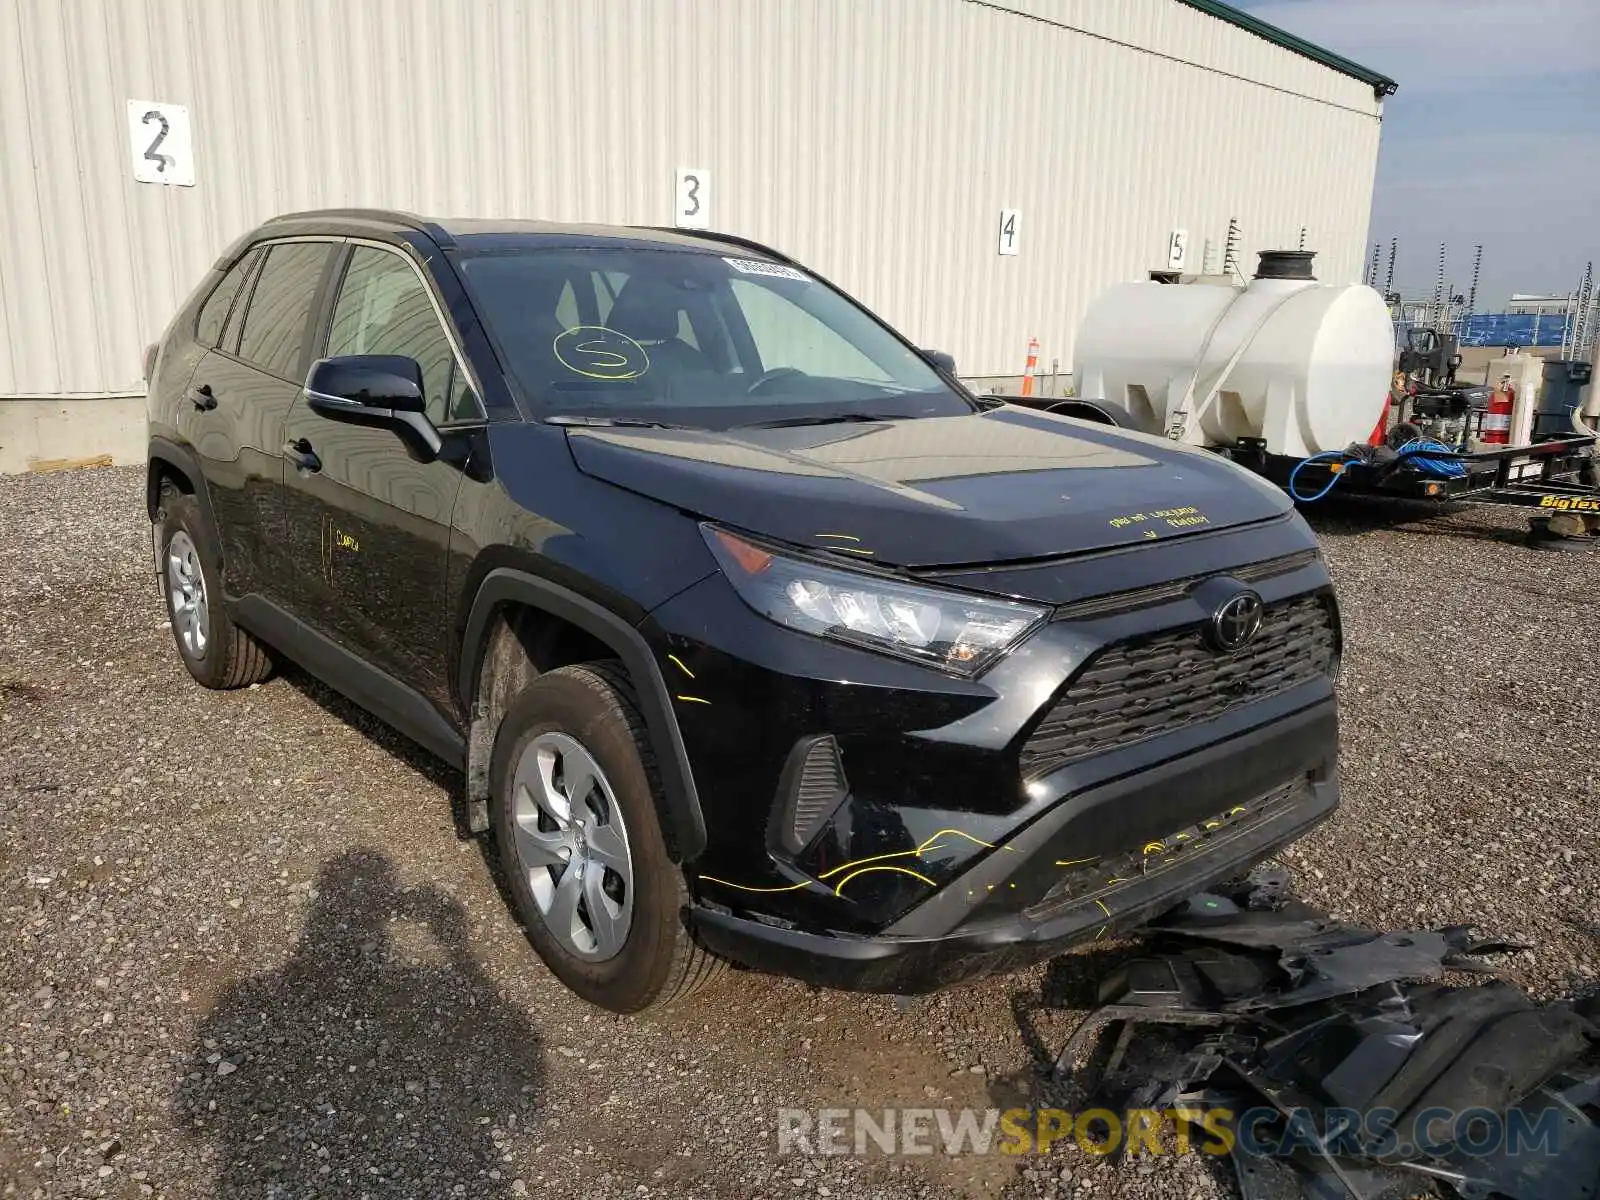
(682, 822)
(163, 450)
(169, 452)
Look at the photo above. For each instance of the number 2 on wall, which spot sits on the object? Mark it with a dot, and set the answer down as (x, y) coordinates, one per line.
(160, 148)
(152, 151)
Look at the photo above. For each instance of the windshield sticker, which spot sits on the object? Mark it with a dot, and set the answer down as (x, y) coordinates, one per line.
(596, 352)
(752, 266)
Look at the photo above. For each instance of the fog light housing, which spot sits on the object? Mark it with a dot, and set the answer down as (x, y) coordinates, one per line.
(810, 790)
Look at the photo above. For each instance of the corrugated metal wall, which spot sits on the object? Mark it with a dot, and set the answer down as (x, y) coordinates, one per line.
(876, 140)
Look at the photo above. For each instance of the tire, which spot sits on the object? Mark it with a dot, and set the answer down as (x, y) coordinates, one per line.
(222, 656)
(640, 955)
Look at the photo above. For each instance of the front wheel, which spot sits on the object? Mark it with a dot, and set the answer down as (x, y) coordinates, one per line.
(573, 791)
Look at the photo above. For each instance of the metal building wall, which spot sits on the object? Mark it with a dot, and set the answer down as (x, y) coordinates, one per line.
(876, 140)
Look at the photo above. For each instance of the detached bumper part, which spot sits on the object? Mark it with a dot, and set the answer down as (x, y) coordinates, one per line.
(1389, 1079)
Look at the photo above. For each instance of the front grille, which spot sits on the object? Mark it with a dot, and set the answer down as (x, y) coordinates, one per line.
(1149, 686)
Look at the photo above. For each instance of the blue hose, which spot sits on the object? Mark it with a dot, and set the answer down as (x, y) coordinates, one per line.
(1333, 476)
(1418, 452)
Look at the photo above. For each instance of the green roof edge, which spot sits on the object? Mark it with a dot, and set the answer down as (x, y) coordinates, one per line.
(1381, 84)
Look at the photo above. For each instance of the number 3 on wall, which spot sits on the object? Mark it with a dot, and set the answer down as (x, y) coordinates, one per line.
(691, 203)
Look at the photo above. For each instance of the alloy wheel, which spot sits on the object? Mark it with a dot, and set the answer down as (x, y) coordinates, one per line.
(571, 844)
(186, 589)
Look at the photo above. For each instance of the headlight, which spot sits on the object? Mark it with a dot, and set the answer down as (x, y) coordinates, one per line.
(948, 630)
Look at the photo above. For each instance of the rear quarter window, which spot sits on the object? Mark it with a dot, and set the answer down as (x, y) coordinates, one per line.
(276, 325)
(214, 312)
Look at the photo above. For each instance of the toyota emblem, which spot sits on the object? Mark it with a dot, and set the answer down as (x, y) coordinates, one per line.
(1236, 621)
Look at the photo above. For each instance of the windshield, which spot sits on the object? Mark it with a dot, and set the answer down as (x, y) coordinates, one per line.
(693, 338)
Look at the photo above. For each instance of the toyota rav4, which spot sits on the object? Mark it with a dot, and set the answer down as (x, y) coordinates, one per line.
(755, 635)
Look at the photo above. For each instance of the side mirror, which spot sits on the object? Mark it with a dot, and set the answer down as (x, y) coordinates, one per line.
(943, 361)
(383, 390)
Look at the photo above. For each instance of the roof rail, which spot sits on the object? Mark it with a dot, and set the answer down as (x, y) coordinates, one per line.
(393, 216)
(732, 239)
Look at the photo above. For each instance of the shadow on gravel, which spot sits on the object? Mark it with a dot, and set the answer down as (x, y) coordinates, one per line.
(350, 713)
(395, 743)
(378, 1061)
(1354, 515)
(1585, 989)
(1071, 982)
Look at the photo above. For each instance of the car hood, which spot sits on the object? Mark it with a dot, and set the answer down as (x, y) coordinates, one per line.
(1003, 485)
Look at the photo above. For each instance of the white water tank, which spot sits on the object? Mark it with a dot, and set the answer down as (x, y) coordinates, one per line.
(1307, 367)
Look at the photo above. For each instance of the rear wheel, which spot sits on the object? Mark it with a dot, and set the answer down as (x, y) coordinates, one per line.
(573, 790)
(216, 651)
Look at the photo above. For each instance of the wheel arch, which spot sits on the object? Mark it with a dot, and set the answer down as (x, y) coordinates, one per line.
(168, 460)
(520, 624)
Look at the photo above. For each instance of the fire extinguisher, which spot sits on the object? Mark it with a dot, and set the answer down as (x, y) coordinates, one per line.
(1497, 419)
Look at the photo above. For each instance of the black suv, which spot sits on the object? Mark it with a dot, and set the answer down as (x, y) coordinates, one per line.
(755, 634)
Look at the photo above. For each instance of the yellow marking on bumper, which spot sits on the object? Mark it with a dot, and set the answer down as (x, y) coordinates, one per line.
(856, 862)
(789, 887)
(839, 888)
(928, 845)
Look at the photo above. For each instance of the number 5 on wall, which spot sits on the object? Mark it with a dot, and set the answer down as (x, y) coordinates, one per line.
(691, 198)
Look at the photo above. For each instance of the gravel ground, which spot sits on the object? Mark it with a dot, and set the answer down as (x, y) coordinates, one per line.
(245, 955)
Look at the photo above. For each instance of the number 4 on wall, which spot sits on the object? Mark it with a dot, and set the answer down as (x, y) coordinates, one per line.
(1010, 229)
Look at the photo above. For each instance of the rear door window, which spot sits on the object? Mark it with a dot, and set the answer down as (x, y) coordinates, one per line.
(214, 312)
(276, 324)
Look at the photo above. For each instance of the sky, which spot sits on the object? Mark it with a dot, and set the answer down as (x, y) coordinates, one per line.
(1493, 137)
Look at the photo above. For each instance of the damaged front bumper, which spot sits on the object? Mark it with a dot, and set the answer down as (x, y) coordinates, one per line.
(1235, 803)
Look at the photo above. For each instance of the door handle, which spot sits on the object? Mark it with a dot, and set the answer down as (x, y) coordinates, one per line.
(202, 398)
(300, 453)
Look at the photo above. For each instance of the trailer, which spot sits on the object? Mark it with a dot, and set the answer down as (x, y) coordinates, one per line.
(1556, 478)
(1297, 381)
